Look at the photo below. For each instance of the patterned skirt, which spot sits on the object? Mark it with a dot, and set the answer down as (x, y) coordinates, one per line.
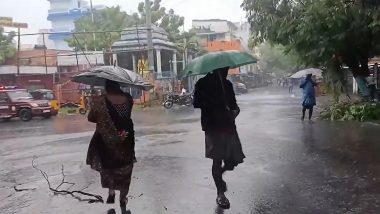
(224, 146)
(117, 179)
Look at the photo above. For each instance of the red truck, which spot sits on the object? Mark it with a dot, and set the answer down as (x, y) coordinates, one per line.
(19, 103)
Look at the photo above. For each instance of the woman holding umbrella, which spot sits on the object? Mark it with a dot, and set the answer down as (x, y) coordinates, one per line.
(112, 148)
(215, 96)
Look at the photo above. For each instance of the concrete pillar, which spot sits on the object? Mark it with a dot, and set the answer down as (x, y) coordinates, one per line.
(175, 62)
(355, 86)
(114, 56)
(134, 63)
(159, 69)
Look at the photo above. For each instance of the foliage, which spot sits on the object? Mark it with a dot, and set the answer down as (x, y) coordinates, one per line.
(113, 19)
(7, 47)
(108, 19)
(168, 20)
(360, 111)
(272, 59)
(318, 31)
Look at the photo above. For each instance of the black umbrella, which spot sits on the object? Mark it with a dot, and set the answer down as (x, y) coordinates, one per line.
(97, 76)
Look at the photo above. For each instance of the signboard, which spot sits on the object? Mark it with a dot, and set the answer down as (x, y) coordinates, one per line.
(19, 25)
(8, 22)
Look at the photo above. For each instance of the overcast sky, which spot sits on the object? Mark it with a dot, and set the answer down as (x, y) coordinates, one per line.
(34, 12)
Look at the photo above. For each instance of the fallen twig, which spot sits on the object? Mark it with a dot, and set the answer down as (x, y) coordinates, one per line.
(93, 198)
(22, 189)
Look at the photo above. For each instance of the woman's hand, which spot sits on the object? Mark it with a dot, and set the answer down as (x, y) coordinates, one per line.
(123, 135)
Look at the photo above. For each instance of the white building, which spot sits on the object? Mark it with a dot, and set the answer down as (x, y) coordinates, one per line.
(209, 30)
(62, 15)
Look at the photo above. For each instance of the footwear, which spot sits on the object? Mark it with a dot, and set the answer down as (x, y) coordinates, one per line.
(223, 202)
(111, 199)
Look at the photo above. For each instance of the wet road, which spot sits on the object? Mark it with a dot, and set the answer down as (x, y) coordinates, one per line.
(291, 166)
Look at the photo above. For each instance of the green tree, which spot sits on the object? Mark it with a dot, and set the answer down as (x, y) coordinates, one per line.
(108, 19)
(167, 20)
(324, 33)
(7, 47)
(272, 59)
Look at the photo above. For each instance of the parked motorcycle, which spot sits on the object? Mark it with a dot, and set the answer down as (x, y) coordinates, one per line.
(184, 100)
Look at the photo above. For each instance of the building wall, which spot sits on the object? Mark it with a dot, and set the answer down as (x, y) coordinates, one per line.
(214, 25)
(63, 24)
(40, 81)
(225, 46)
(63, 5)
(35, 57)
(62, 15)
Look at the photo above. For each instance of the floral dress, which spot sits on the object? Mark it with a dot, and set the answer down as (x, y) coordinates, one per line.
(111, 150)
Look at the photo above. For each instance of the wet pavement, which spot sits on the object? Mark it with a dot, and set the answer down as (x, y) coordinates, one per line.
(291, 166)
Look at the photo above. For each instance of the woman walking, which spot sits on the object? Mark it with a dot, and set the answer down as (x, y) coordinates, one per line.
(215, 97)
(111, 151)
(308, 96)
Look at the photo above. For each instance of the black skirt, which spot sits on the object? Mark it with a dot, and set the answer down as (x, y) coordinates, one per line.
(224, 146)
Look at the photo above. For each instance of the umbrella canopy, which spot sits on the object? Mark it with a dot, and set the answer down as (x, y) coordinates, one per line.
(97, 76)
(207, 63)
(302, 73)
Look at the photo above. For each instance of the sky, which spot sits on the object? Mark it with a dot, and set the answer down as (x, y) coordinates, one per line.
(34, 12)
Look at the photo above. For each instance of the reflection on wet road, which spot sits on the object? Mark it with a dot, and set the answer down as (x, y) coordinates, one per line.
(291, 166)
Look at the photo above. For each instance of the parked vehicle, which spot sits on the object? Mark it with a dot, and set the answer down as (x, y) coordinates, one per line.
(238, 85)
(19, 103)
(184, 100)
(46, 94)
(241, 88)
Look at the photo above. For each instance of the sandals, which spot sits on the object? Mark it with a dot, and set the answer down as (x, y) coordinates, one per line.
(223, 202)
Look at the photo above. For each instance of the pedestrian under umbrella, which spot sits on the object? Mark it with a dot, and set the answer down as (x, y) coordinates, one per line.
(309, 100)
(112, 148)
(215, 97)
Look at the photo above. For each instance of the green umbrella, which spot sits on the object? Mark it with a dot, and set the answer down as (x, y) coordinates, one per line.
(207, 63)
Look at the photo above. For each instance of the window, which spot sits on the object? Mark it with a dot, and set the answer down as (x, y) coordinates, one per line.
(3, 97)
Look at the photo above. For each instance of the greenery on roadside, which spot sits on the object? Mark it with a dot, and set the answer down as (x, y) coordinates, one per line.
(272, 59)
(359, 111)
(7, 47)
(325, 33)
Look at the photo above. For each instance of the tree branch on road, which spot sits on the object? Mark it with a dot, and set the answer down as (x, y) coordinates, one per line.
(75, 193)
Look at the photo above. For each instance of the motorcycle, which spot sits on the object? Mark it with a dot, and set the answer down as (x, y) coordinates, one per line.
(184, 100)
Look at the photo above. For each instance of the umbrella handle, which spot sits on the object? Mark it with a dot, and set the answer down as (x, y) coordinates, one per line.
(224, 90)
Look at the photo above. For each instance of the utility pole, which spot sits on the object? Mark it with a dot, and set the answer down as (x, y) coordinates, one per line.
(149, 35)
(93, 21)
(18, 50)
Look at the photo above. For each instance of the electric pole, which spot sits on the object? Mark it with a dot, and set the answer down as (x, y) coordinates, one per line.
(149, 35)
(92, 19)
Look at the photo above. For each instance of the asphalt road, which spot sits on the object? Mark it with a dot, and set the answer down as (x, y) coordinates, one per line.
(291, 166)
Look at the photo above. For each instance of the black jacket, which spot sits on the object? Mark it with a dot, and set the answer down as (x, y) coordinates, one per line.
(218, 108)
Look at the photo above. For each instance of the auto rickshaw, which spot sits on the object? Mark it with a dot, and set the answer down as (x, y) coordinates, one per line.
(46, 94)
(83, 104)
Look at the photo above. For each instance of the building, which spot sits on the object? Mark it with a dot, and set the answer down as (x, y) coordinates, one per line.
(210, 30)
(132, 49)
(131, 52)
(62, 15)
(221, 35)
